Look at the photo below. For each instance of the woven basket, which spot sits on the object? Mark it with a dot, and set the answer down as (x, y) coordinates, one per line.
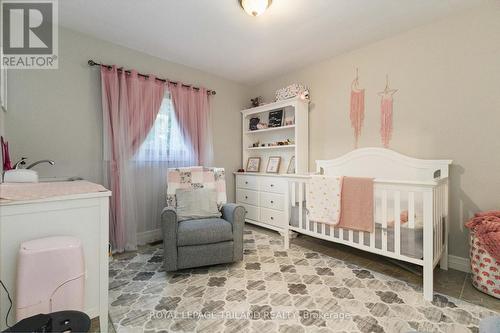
(485, 269)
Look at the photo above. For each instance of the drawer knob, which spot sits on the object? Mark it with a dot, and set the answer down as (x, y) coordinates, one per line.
(246, 183)
(246, 212)
(272, 185)
(246, 197)
(272, 201)
(272, 218)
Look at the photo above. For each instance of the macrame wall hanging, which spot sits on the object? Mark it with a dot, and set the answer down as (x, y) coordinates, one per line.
(386, 103)
(357, 111)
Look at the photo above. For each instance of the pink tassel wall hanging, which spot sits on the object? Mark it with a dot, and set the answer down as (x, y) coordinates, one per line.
(357, 109)
(386, 104)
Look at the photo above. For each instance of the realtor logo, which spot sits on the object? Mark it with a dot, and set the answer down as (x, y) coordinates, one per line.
(29, 34)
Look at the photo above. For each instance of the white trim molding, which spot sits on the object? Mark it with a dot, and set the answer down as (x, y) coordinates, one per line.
(459, 263)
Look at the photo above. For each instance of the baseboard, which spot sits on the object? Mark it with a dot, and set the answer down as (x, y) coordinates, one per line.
(459, 263)
(149, 236)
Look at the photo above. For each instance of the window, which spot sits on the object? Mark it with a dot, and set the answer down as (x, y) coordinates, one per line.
(165, 142)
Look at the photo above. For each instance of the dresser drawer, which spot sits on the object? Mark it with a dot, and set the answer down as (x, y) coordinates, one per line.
(247, 197)
(273, 185)
(272, 217)
(248, 182)
(252, 212)
(272, 200)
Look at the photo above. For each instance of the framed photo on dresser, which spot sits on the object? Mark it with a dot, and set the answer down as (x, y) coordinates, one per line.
(273, 165)
(291, 165)
(253, 164)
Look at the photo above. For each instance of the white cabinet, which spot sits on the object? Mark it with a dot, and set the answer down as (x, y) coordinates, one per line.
(84, 216)
(263, 196)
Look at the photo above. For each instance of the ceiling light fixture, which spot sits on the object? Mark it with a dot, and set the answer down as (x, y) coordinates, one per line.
(255, 7)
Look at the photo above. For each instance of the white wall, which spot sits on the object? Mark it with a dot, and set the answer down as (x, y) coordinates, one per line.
(448, 104)
(56, 114)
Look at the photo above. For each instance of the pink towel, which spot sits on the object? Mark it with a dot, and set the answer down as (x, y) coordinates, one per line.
(357, 204)
(486, 226)
(34, 191)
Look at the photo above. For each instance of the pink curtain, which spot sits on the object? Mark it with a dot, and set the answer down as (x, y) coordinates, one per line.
(192, 109)
(130, 105)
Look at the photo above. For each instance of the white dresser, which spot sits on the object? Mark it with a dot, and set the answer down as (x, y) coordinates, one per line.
(263, 196)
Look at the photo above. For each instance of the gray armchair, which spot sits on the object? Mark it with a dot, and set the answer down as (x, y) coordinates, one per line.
(195, 243)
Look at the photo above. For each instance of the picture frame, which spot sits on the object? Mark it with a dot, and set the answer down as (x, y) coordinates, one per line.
(252, 123)
(273, 164)
(291, 166)
(276, 118)
(253, 164)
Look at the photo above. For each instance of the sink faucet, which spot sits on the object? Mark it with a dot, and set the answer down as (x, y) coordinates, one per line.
(20, 163)
(41, 161)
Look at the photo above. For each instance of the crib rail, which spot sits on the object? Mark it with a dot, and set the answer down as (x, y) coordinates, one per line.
(425, 203)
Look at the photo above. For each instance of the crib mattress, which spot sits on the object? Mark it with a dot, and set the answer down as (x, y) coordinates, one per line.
(411, 239)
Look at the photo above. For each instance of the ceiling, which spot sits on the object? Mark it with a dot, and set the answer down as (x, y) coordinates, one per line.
(218, 37)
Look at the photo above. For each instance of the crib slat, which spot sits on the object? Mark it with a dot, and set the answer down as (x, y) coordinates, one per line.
(351, 237)
(301, 199)
(438, 221)
(411, 210)
(293, 196)
(397, 222)
(440, 205)
(434, 223)
(332, 231)
(372, 239)
(341, 233)
(384, 220)
(308, 222)
(362, 238)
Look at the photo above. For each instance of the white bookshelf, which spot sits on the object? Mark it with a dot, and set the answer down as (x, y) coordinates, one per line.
(263, 194)
(298, 132)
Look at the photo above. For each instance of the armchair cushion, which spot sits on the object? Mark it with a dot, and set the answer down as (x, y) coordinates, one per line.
(196, 204)
(203, 231)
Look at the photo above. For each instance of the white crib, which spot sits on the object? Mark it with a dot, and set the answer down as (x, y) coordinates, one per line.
(401, 183)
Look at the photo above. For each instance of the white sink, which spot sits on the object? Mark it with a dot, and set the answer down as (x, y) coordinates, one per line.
(20, 176)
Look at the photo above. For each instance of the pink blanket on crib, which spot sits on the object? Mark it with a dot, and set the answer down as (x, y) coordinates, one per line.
(356, 211)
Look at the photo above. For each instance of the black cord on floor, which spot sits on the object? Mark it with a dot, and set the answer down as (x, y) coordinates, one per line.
(10, 307)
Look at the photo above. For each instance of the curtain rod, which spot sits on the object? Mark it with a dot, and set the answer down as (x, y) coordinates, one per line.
(93, 63)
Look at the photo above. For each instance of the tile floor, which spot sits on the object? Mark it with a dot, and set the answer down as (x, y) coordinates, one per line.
(451, 282)
(128, 277)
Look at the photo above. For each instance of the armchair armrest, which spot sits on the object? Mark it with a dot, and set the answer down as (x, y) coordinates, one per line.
(169, 229)
(235, 214)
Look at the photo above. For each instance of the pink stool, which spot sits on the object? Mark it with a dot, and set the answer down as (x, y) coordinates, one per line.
(50, 276)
